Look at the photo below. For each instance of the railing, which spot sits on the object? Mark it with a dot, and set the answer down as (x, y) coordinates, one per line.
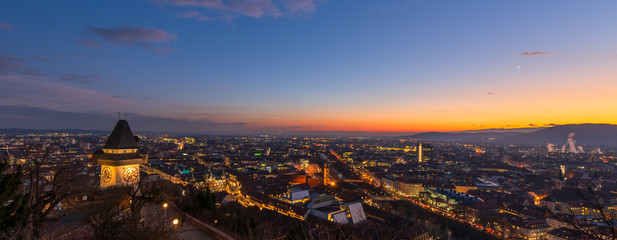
(218, 234)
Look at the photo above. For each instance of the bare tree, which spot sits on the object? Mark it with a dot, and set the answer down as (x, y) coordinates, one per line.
(607, 217)
(45, 193)
(124, 214)
(14, 202)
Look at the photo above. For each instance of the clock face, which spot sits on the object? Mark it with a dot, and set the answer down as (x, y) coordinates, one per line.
(106, 174)
(130, 174)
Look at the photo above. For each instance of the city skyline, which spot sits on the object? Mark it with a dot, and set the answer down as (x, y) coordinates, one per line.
(239, 67)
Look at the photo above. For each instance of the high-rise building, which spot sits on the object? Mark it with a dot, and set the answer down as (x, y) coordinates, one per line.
(120, 158)
(419, 151)
(424, 151)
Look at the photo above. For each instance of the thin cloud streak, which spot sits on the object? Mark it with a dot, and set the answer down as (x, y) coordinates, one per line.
(41, 58)
(81, 79)
(125, 35)
(10, 63)
(162, 50)
(537, 53)
(190, 14)
(39, 91)
(6, 26)
(251, 8)
(90, 44)
(300, 6)
(47, 118)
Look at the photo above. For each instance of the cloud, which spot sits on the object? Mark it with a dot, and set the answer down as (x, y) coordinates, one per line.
(40, 91)
(190, 14)
(531, 54)
(6, 26)
(90, 44)
(199, 16)
(226, 17)
(287, 127)
(14, 65)
(144, 37)
(614, 56)
(124, 35)
(157, 49)
(81, 79)
(300, 6)
(251, 8)
(69, 54)
(10, 63)
(41, 58)
(47, 118)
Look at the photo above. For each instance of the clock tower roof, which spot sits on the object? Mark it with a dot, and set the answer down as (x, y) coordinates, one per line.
(121, 137)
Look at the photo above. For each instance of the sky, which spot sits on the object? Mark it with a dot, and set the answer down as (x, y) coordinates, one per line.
(296, 66)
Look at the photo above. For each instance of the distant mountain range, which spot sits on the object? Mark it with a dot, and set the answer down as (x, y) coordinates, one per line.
(69, 131)
(45, 131)
(585, 134)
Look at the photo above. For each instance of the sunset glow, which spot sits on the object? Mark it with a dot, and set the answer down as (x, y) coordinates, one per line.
(384, 67)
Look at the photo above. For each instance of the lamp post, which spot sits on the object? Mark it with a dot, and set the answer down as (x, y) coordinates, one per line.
(165, 218)
(175, 222)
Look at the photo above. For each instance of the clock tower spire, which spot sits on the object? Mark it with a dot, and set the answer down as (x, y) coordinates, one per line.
(120, 157)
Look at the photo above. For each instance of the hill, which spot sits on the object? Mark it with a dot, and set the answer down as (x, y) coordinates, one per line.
(468, 137)
(585, 134)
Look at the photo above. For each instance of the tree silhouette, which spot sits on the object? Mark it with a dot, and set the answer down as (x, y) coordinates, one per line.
(14, 208)
(607, 217)
(43, 193)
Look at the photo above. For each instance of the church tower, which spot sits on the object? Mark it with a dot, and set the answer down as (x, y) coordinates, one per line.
(561, 179)
(326, 173)
(120, 157)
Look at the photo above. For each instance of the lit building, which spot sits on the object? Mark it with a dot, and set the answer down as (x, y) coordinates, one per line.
(530, 229)
(424, 151)
(326, 173)
(419, 151)
(409, 187)
(327, 207)
(215, 181)
(120, 158)
(388, 181)
(296, 196)
(340, 213)
(304, 165)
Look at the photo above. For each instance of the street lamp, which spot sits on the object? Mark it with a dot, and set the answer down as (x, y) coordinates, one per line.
(165, 218)
(175, 222)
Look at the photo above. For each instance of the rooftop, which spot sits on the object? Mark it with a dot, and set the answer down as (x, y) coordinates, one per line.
(121, 137)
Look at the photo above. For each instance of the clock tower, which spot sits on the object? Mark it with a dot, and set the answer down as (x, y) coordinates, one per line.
(120, 157)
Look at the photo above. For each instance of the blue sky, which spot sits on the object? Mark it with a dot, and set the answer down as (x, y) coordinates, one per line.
(247, 66)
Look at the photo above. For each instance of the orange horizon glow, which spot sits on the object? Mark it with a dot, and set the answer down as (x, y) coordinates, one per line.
(387, 129)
